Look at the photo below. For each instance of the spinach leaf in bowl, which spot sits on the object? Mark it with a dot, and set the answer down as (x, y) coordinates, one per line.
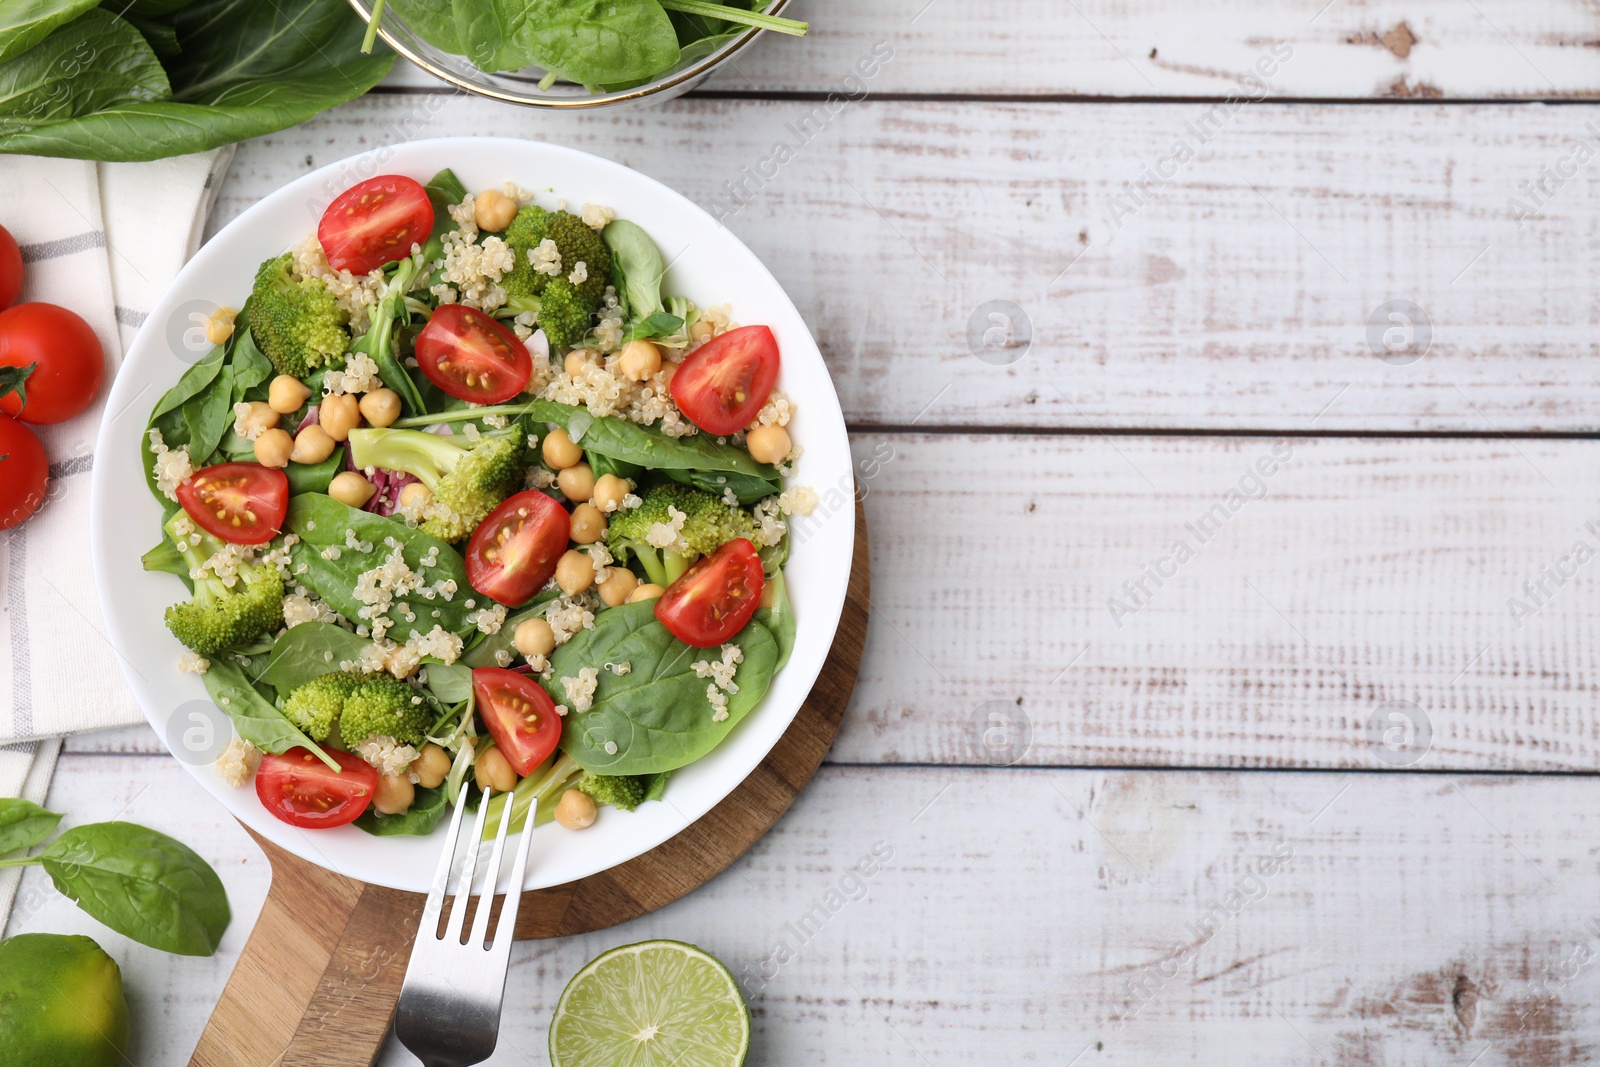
(657, 714)
(307, 652)
(418, 820)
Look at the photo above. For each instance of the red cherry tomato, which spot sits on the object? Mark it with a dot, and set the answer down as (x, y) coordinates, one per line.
(68, 363)
(10, 269)
(722, 385)
(375, 223)
(240, 502)
(24, 470)
(472, 357)
(513, 552)
(714, 598)
(300, 789)
(520, 716)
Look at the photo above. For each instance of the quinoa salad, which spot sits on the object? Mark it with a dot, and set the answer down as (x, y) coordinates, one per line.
(461, 496)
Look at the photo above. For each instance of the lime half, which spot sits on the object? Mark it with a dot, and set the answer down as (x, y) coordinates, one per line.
(654, 1004)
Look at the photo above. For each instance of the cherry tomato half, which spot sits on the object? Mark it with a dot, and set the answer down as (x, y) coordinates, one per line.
(375, 222)
(520, 716)
(24, 470)
(714, 598)
(472, 357)
(10, 269)
(301, 790)
(513, 552)
(240, 502)
(68, 362)
(722, 385)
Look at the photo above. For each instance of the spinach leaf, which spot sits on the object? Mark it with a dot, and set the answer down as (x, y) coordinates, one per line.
(166, 558)
(256, 720)
(445, 191)
(661, 324)
(637, 268)
(314, 477)
(244, 69)
(168, 415)
(450, 683)
(250, 366)
(432, 20)
(779, 619)
(321, 523)
(24, 824)
(696, 460)
(208, 417)
(658, 786)
(142, 884)
(24, 23)
(594, 42)
(96, 62)
(307, 652)
(483, 654)
(657, 714)
(419, 820)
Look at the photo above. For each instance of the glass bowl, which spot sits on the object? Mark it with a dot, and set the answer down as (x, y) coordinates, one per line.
(522, 86)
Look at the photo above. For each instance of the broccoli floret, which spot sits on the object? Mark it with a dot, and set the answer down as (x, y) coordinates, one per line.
(564, 315)
(709, 523)
(564, 310)
(298, 325)
(468, 480)
(315, 707)
(222, 615)
(382, 706)
(524, 234)
(625, 791)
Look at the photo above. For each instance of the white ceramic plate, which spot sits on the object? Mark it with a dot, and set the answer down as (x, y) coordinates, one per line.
(708, 264)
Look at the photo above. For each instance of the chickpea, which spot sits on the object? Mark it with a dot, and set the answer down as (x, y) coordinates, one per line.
(609, 491)
(577, 482)
(273, 448)
(338, 415)
(559, 451)
(768, 444)
(668, 372)
(574, 572)
(701, 332)
(575, 810)
(350, 487)
(588, 524)
(647, 591)
(640, 359)
(380, 407)
(219, 327)
(493, 771)
(287, 394)
(416, 495)
(618, 586)
(257, 420)
(311, 445)
(575, 362)
(431, 766)
(493, 210)
(534, 637)
(395, 794)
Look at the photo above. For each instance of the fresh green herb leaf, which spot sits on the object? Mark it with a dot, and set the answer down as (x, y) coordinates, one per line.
(637, 269)
(24, 824)
(256, 720)
(142, 884)
(450, 683)
(307, 652)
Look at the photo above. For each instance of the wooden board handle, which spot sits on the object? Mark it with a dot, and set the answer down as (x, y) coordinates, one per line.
(317, 982)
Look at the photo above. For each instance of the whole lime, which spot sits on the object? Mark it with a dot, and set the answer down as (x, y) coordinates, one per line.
(61, 1003)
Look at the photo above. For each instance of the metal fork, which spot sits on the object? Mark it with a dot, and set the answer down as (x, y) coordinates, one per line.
(449, 1012)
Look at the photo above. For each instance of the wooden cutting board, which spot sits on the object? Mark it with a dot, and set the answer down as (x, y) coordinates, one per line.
(317, 982)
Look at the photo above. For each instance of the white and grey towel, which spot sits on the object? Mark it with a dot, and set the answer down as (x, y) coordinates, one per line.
(104, 239)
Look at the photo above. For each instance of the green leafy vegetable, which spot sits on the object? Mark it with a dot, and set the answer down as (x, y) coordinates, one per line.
(142, 884)
(779, 619)
(418, 820)
(321, 522)
(637, 269)
(657, 715)
(484, 653)
(450, 683)
(256, 720)
(308, 651)
(24, 824)
(94, 63)
(24, 23)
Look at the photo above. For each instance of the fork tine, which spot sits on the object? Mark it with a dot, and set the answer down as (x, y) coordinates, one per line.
(519, 873)
(469, 868)
(491, 879)
(441, 877)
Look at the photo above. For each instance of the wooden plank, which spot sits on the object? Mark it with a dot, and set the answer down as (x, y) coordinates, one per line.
(1373, 571)
(1239, 296)
(1024, 916)
(1390, 49)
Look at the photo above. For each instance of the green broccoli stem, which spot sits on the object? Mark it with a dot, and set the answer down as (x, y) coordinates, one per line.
(545, 788)
(677, 563)
(793, 27)
(417, 422)
(209, 588)
(426, 456)
(378, 342)
(654, 569)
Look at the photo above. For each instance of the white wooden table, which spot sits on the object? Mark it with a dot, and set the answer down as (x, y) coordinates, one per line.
(1319, 790)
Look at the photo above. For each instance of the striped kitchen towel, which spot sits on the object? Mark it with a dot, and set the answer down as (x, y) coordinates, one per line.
(104, 240)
